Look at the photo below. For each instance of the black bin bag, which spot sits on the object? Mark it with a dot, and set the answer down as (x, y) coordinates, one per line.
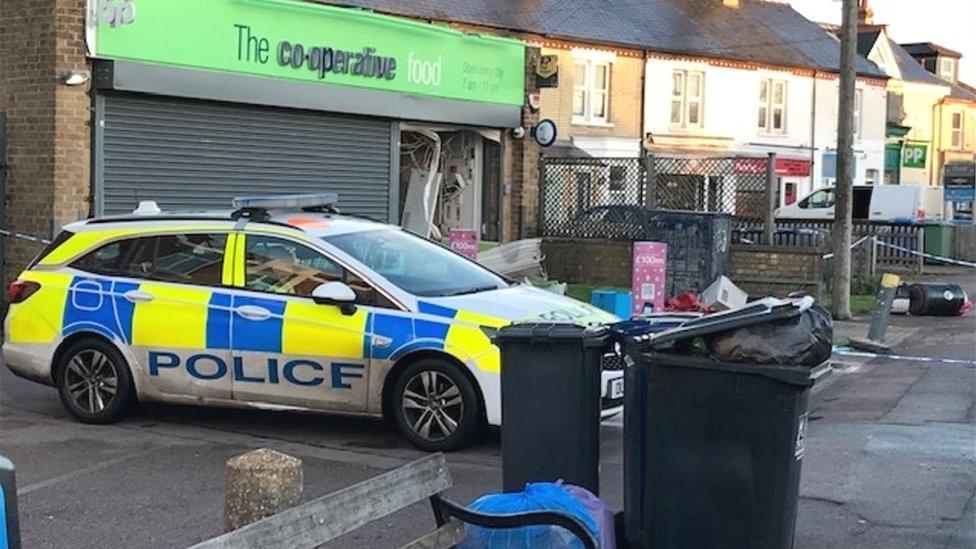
(803, 340)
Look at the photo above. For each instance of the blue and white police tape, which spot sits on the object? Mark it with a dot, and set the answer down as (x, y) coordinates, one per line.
(941, 259)
(23, 236)
(847, 351)
(857, 243)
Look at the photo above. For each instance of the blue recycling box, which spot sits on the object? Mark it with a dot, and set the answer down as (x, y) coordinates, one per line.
(613, 301)
(9, 521)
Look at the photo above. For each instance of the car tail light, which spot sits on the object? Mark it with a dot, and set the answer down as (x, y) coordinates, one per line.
(21, 290)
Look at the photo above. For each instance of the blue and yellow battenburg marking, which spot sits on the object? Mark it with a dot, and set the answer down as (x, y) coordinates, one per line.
(200, 319)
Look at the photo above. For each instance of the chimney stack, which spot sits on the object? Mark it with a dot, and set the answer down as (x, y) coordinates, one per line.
(734, 4)
(865, 15)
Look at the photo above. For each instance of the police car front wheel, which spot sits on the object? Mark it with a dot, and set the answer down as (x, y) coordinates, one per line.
(94, 382)
(435, 406)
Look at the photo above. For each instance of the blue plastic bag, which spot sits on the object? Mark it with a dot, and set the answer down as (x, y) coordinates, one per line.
(538, 496)
(600, 511)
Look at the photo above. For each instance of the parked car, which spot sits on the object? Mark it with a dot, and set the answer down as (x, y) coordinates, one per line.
(611, 221)
(272, 308)
(892, 203)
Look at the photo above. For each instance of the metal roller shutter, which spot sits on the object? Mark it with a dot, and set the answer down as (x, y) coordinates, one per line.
(188, 155)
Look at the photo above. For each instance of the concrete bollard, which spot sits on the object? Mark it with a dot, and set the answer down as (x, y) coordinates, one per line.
(260, 483)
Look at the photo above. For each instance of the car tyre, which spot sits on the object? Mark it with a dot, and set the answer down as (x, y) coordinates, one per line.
(94, 382)
(436, 406)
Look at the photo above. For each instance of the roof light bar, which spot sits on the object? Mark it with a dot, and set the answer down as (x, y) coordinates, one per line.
(287, 201)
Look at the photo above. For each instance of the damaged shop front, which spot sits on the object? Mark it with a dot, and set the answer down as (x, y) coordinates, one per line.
(405, 120)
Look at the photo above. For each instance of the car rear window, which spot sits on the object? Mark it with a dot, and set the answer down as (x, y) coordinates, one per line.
(185, 258)
(62, 237)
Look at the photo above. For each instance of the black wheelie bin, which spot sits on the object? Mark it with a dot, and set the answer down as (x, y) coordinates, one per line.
(712, 449)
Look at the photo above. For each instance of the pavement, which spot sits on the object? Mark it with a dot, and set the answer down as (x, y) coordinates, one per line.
(890, 457)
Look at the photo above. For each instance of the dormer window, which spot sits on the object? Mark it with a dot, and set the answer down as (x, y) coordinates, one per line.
(947, 69)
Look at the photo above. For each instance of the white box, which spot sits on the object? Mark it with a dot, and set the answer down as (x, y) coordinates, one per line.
(723, 295)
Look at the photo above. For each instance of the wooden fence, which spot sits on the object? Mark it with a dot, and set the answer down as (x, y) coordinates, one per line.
(893, 252)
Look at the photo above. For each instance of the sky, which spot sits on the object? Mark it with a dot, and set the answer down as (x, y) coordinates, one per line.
(950, 23)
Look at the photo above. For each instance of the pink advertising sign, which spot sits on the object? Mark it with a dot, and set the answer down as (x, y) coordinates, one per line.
(650, 264)
(465, 242)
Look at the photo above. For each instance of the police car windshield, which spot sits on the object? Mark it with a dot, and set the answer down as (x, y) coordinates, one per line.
(417, 266)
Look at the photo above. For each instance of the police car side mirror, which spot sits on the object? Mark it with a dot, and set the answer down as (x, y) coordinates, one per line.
(337, 294)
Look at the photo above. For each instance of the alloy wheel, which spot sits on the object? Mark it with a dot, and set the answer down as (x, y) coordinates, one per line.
(432, 405)
(91, 380)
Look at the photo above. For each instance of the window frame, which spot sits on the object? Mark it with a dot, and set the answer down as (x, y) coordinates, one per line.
(73, 264)
(684, 100)
(858, 105)
(869, 180)
(770, 106)
(957, 135)
(242, 268)
(589, 90)
(951, 64)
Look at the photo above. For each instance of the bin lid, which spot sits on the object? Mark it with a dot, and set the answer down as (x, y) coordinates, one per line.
(791, 375)
(765, 310)
(545, 332)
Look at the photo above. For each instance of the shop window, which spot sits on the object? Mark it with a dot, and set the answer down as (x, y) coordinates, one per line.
(591, 92)
(957, 130)
(789, 193)
(772, 105)
(687, 98)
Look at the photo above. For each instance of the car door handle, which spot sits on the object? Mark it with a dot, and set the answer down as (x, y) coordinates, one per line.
(137, 296)
(253, 312)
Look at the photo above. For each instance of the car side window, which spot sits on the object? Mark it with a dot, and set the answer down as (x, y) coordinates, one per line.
(596, 215)
(281, 266)
(819, 199)
(184, 258)
(190, 258)
(132, 257)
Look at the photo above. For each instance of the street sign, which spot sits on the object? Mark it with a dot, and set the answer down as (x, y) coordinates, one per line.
(959, 180)
(913, 155)
(648, 276)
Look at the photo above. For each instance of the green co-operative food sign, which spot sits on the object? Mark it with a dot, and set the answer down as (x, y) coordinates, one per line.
(310, 42)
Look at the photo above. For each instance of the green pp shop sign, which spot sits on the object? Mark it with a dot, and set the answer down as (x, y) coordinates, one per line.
(310, 42)
(913, 156)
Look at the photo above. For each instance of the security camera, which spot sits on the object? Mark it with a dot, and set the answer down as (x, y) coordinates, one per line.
(518, 132)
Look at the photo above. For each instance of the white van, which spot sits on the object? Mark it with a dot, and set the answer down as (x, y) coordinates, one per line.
(899, 203)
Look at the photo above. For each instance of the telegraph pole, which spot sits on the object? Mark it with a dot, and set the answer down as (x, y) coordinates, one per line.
(845, 165)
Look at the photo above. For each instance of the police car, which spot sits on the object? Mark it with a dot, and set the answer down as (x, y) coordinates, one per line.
(283, 304)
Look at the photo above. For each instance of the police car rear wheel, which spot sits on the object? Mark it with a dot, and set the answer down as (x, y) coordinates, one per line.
(94, 382)
(435, 406)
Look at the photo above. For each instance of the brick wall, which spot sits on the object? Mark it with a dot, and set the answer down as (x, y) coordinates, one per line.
(772, 270)
(626, 74)
(47, 122)
(521, 164)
